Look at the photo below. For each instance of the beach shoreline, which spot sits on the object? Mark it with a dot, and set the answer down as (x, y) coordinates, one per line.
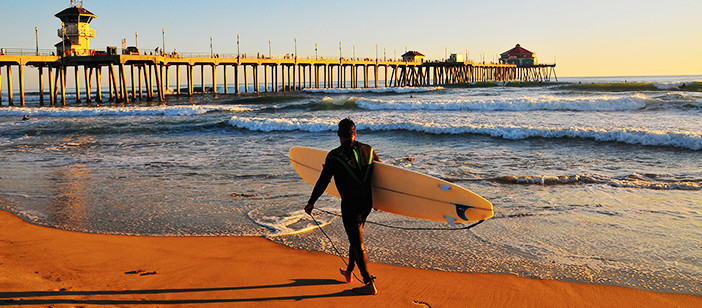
(45, 266)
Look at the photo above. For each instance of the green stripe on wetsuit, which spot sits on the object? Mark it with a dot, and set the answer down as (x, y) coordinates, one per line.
(358, 163)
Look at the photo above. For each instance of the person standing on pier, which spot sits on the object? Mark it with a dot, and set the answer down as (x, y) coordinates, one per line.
(351, 165)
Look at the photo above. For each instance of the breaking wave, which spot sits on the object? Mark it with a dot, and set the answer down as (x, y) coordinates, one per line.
(629, 181)
(399, 90)
(544, 102)
(120, 111)
(661, 138)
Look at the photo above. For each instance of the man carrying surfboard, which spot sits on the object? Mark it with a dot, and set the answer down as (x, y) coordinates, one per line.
(351, 165)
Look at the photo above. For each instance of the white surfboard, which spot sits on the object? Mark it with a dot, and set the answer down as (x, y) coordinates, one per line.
(403, 192)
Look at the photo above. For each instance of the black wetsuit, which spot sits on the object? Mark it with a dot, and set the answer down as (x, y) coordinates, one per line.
(351, 165)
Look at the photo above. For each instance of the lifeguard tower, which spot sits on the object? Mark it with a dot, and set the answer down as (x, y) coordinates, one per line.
(75, 32)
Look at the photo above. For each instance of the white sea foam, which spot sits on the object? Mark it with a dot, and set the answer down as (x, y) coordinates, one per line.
(289, 223)
(277, 124)
(120, 111)
(626, 135)
(628, 182)
(543, 102)
(375, 90)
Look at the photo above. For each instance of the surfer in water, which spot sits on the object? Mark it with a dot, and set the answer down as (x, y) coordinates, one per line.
(351, 165)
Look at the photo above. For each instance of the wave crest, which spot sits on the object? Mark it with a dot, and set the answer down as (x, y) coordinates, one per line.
(686, 140)
(544, 102)
(120, 111)
(630, 181)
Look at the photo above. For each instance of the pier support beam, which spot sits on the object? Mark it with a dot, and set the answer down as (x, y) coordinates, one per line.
(123, 83)
(202, 78)
(9, 86)
(224, 74)
(214, 79)
(41, 86)
(255, 79)
(1, 84)
(21, 82)
(159, 85)
(246, 83)
(133, 85)
(63, 86)
(190, 80)
(275, 78)
(98, 79)
(177, 78)
(87, 75)
(77, 82)
(236, 79)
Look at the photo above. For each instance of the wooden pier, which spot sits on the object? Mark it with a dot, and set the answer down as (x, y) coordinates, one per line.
(138, 77)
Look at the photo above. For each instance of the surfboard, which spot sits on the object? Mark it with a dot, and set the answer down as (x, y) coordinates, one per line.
(404, 192)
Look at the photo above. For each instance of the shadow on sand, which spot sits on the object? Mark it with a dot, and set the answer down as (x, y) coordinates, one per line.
(35, 297)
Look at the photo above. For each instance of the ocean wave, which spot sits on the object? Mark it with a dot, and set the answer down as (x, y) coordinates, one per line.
(629, 181)
(119, 111)
(543, 102)
(661, 138)
(695, 86)
(398, 90)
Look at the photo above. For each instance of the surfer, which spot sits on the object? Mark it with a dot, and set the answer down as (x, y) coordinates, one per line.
(351, 165)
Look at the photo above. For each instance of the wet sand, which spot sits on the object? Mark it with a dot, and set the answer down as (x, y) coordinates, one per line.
(49, 267)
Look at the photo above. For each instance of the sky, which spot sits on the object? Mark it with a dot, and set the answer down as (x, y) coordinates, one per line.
(583, 38)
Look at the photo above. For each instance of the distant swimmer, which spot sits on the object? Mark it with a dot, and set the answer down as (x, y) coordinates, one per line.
(27, 118)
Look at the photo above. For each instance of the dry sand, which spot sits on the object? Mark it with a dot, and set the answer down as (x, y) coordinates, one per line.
(48, 267)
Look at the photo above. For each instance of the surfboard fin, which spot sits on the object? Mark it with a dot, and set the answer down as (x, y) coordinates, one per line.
(445, 188)
(450, 221)
(461, 210)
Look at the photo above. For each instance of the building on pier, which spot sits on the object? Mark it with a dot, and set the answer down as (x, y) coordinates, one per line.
(75, 32)
(518, 56)
(413, 56)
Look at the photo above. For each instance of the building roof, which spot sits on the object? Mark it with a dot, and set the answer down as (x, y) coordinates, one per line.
(412, 53)
(68, 43)
(74, 11)
(516, 50)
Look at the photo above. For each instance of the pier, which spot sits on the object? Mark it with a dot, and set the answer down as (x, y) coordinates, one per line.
(138, 77)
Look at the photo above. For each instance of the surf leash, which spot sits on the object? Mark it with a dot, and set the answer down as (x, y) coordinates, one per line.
(406, 228)
(333, 246)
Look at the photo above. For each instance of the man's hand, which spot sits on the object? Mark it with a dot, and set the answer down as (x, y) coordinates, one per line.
(308, 208)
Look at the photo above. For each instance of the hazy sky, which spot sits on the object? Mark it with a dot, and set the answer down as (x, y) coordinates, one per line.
(585, 38)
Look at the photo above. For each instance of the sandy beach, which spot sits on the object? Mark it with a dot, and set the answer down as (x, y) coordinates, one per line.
(49, 267)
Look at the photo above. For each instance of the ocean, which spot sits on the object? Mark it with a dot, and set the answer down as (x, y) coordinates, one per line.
(595, 180)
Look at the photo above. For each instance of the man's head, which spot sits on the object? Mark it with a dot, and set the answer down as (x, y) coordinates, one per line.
(347, 129)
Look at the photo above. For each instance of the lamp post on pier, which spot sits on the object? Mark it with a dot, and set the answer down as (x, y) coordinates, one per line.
(163, 46)
(136, 40)
(295, 49)
(237, 49)
(269, 49)
(36, 35)
(376, 52)
(339, 50)
(211, 50)
(353, 57)
(315, 51)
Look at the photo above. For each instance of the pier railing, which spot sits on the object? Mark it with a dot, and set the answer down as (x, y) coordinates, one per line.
(26, 52)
